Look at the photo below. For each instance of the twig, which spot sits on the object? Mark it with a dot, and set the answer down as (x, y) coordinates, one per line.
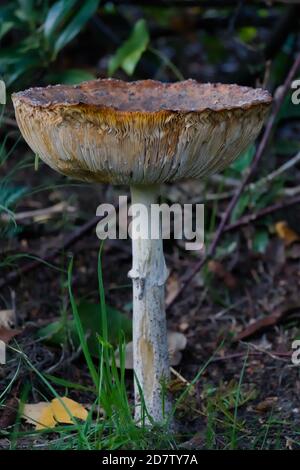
(63, 361)
(69, 240)
(38, 214)
(179, 376)
(234, 182)
(267, 179)
(273, 355)
(9, 122)
(291, 191)
(259, 153)
(251, 353)
(247, 219)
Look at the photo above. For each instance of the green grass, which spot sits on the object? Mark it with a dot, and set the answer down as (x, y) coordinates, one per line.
(114, 427)
(111, 425)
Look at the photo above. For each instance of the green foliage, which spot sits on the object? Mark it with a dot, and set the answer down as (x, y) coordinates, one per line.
(90, 315)
(255, 197)
(247, 33)
(70, 77)
(260, 240)
(42, 31)
(214, 48)
(128, 55)
(75, 24)
(240, 207)
(286, 146)
(9, 196)
(56, 16)
(243, 161)
(288, 110)
(10, 193)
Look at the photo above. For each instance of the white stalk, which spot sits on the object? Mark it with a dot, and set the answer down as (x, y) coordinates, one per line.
(149, 274)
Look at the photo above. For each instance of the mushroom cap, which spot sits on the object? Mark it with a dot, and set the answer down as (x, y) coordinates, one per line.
(141, 132)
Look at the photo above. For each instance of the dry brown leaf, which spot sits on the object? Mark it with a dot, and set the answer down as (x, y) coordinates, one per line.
(261, 324)
(9, 413)
(287, 234)
(266, 404)
(176, 343)
(221, 273)
(48, 414)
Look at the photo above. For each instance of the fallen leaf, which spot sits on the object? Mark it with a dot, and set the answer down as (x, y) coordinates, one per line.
(176, 343)
(9, 413)
(75, 409)
(287, 234)
(32, 412)
(220, 272)
(45, 419)
(266, 404)
(197, 442)
(48, 414)
(55, 333)
(263, 323)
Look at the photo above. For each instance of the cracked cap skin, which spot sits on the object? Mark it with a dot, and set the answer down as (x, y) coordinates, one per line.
(142, 132)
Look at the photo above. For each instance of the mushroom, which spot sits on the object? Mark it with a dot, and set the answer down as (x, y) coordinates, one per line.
(142, 134)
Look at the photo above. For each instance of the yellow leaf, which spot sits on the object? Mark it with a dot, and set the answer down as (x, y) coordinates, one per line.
(32, 411)
(284, 232)
(46, 419)
(61, 414)
(47, 415)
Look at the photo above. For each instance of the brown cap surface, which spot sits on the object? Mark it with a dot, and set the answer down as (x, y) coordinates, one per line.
(140, 132)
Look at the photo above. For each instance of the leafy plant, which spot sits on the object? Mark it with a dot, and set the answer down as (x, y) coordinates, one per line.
(42, 32)
(90, 315)
(65, 20)
(260, 240)
(128, 55)
(243, 161)
(10, 193)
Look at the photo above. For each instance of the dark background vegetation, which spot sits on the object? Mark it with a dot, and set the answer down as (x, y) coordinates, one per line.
(239, 307)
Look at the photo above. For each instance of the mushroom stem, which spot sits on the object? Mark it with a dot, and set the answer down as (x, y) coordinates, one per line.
(149, 274)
